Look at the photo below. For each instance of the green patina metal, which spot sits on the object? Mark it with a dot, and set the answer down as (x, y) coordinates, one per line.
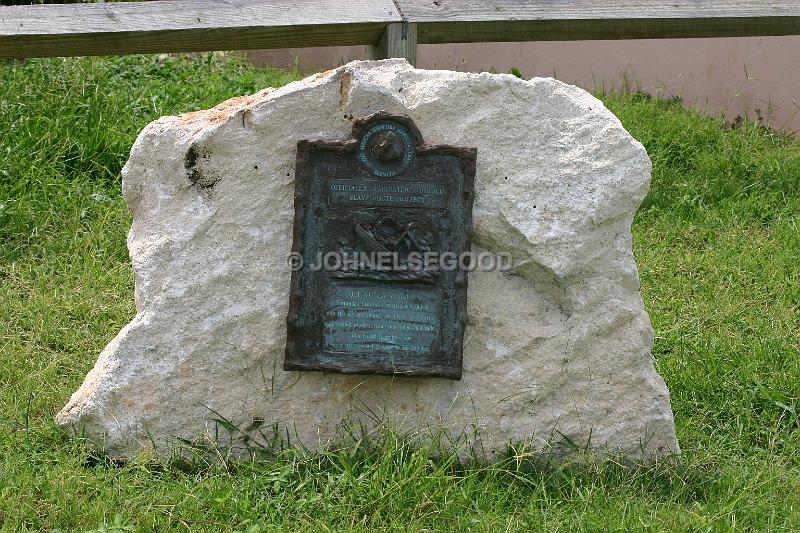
(369, 213)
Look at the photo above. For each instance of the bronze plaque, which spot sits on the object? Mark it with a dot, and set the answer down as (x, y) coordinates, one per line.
(382, 224)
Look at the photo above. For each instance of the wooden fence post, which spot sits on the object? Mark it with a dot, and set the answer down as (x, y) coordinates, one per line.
(399, 39)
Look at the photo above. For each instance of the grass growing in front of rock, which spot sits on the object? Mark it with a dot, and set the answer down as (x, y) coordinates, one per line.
(718, 246)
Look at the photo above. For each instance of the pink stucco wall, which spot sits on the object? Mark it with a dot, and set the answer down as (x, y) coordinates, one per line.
(758, 77)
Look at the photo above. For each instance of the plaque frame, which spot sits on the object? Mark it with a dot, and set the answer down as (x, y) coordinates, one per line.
(294, 360)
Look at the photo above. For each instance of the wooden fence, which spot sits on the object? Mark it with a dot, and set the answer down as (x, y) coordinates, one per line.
(393, 28)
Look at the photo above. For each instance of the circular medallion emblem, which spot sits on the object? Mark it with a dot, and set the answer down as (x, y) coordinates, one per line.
(386, 148)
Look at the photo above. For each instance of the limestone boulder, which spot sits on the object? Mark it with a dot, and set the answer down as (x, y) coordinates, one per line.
(556, 351)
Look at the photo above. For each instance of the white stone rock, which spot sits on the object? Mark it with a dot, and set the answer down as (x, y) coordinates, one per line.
(558, 350)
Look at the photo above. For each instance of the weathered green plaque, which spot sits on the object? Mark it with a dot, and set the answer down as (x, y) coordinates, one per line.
(381, 227)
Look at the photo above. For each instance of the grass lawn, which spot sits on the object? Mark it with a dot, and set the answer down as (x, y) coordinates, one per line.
(718, 246)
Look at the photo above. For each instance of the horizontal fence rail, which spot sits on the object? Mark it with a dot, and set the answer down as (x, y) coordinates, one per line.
(570, 20)
(393, 27)
(189, 26)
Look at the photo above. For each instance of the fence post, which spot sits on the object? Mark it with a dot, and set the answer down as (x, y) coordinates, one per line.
(399, 39)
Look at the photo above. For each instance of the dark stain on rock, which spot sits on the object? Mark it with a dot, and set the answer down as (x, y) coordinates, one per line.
(192, 163)
(191, 157)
